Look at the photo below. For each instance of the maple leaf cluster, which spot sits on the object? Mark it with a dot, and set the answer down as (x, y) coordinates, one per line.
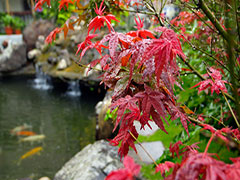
(140, 67)
(195, 165)
(129, 172)
(62, 3)
(215, 82)
(143, 89)
(202, 166)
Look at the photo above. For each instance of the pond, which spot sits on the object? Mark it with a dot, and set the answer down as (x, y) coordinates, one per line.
(66, 121)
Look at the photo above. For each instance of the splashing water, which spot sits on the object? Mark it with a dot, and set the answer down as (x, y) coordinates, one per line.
(42, 81)
(74, 88)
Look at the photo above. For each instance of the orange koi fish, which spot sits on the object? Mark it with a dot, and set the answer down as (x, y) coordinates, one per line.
(25, 133)
(30, 153)
(20, 128)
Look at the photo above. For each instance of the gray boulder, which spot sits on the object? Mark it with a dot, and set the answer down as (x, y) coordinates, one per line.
(94, 162)
(13, 57)
(34, 30)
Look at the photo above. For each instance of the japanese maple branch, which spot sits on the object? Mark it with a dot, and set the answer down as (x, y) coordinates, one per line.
(150, 6)
(201, 123)
(223, 93)
(192, 68)
(231, 62)
(236, 17)
(137, 11)
(86, 66)
(191, 9)
(216, 23)
(208, 144)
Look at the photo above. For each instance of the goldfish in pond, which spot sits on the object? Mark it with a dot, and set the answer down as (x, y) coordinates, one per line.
(25, 133)
(30, 153)
(20, 128)
(33, 138)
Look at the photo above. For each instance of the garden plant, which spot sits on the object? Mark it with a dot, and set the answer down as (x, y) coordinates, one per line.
(181, 71)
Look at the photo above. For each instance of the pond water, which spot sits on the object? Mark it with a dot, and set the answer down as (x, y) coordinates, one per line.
(67, 122)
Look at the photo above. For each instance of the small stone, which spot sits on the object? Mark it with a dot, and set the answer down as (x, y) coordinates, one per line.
(62, 64)
(34, 53)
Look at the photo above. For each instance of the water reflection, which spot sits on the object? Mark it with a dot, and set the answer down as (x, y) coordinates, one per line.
(67, 123)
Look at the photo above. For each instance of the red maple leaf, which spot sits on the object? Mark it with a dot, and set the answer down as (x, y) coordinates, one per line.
(125, 136)
(64, 3)
(199, 165)
(39, 3)
(152, 103)
(141, 33)
(216, 83)
(98, 21)
(129, 172)
(174, 148)
(217, 133)
(52, 35)
(87, 44)
(123, 104)
(233, 170)
(163, 167)
(164, 51)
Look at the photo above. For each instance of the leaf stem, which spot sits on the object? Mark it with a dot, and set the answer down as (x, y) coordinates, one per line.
(231, 109)
(208, 144)
(143, 147)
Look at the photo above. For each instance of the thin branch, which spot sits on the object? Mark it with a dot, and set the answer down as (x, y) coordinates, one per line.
(193, 69)
(231, 110)
(216, 23)
(191, 9)
(226, 135)
(143, 148)
(150, 3)
(137, 11)
(237, 21)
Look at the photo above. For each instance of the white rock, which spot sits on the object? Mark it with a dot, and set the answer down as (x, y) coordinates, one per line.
(146, 131)
(44, 178)
(34, 53)
(155, 149)
(63, 64)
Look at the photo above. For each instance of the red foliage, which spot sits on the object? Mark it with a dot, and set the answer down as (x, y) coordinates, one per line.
(85, 45)
(52, 35)
(39, 3)
(64, 3)
(98, 21)
(129, 172)
(174, 148)
(198, 165)
(141, 33)
(142, 70)
(216, 83)
(163, 167)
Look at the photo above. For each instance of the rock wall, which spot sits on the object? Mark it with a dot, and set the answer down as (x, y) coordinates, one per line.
(13, 57)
